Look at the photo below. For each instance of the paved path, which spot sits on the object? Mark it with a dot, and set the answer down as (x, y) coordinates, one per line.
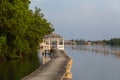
(52, 70)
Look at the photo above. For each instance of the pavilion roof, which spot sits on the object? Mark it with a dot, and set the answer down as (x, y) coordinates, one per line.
(53, 35)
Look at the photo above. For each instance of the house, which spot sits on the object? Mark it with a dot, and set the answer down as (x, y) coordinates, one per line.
(53, 41)
(70, 42)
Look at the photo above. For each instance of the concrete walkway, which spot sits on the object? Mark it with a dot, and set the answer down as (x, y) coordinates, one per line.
(53, 70)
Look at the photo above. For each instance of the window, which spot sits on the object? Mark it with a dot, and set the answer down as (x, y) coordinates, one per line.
(60, 43)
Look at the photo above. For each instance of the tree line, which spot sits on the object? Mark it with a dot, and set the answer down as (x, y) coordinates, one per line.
(112, 42)
(21, 29)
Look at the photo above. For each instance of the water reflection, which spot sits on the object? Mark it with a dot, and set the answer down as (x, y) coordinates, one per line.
(16, 69)
(94, 62)
(44, 58)
(98, 49)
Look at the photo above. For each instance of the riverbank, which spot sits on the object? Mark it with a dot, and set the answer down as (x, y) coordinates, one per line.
(53, 70)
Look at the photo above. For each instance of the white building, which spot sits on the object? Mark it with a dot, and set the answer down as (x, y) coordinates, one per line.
(53, 40)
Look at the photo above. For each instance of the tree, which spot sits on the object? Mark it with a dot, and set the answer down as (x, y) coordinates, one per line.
(115, 42)
(21, 29)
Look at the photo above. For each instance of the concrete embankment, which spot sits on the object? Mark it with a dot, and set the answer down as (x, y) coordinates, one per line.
(54, 69)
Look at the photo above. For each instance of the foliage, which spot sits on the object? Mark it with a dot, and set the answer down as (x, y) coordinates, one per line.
(115, 42)
(21, 29)
(112, 42)
(80, 42)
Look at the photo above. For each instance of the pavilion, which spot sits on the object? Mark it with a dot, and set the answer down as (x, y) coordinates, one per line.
(53, 41)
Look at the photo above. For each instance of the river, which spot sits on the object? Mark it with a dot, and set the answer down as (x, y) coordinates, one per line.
(16, 69)
(94, 65)
(89, 63)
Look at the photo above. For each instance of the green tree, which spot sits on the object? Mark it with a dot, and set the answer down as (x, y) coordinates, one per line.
(21, 29)
(115, 42)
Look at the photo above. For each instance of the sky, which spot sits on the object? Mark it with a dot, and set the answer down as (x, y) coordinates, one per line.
(82, 19)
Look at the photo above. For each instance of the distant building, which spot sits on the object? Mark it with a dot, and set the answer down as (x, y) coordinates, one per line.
(88, 43)
(53, 41)
(70, 42)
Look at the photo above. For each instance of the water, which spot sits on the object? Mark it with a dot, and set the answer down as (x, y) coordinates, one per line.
(94, 65)
(89, 63)
(16, 69)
